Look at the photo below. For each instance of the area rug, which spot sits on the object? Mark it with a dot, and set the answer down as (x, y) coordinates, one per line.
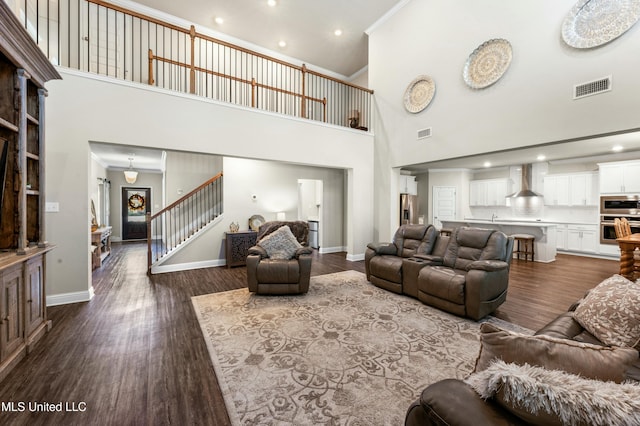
(345, 353)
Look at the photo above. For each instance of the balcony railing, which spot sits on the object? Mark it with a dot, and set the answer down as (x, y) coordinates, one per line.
(98, 37)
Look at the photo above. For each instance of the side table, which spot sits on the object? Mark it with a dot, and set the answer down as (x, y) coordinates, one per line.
(237, 245)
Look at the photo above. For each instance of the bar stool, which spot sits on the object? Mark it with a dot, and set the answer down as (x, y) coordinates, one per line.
(524, 244)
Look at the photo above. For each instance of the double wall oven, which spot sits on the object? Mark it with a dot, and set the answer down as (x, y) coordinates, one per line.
(618, 206)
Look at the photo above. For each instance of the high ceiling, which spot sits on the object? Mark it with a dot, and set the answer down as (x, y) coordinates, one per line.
(307, 26)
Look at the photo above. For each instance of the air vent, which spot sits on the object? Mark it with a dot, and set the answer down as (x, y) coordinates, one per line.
(592, 88)
(424, 133)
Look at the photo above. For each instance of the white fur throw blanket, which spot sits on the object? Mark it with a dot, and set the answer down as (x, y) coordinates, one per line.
(553, 394)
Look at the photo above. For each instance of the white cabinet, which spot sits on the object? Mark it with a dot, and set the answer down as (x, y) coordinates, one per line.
(579, 189)
(489, 192)
(582, 238)
(408, 185)
(561, 237)
(620, 177)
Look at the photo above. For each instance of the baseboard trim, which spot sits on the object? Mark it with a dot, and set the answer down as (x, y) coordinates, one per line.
(162, 269)
(324, 250)
(355, 257)
(67, 298)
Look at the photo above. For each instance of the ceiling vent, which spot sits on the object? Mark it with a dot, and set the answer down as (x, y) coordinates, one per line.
(592, 87)
(424, 133)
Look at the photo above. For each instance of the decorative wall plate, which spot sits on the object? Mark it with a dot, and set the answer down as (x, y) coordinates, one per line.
(255, 221)
(419, 93)
(592, 23)
(487, 63)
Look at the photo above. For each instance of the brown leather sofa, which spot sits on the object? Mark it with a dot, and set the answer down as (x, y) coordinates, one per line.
(280, 276)
(466, 273)
(453, 402)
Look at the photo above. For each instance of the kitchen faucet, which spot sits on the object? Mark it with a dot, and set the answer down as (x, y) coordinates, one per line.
(493, 216)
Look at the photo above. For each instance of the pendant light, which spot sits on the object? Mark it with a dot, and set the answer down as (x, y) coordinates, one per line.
(130, 175)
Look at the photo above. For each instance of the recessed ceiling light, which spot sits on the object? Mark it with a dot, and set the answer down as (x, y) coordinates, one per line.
(282, 43)
(487, 164)
(271, 3)
(541, 157)
(219, 20)
(617, 148)
(338, 32)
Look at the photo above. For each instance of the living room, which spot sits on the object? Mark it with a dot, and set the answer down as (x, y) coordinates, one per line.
(518, 111)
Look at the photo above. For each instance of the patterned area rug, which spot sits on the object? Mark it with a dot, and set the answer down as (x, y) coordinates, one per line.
(346, 353)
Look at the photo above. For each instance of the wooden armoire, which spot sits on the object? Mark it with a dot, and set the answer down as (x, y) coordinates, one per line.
(24, 69)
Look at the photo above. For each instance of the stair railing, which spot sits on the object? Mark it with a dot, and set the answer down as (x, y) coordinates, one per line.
(172, 226)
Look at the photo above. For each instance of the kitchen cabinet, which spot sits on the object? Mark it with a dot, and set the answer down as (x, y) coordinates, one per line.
(579, 189)
(561, 236)
(582, 238)
(620, 177)
(11, 311)
(408, 185)
(489, 192)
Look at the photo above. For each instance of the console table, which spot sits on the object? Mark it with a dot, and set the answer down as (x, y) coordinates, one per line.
(101, 238)
(237, 245)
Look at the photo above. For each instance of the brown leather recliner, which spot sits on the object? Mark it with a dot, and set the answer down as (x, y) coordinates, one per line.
(280, 276)
(383, 261)
(473, 278)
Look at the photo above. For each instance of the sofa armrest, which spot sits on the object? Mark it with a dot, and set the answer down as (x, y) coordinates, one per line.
(258, 251)
(488, 265)
(383, 248)
(453, 402)
(303, 250)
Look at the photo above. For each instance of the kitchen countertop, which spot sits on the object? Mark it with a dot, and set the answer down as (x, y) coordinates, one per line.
(523, 220)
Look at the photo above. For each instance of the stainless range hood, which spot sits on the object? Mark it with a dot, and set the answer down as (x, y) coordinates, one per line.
(525, 181)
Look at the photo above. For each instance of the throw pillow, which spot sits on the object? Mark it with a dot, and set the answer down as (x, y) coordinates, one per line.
(280, 244)
(585, 359)
(611, 312)
(550, 397)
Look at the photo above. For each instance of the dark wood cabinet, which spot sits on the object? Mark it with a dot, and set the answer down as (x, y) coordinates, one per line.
(237, 245)
(24, 69)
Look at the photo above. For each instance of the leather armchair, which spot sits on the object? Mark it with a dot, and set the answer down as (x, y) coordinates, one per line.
(473, 278)
(383, 261)
(280, 276)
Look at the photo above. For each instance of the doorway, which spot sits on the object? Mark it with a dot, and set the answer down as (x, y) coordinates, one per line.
(444, 204)
(136, 203)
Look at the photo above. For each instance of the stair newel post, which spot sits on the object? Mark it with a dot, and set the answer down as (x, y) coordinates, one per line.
(324, 109)
(151, 82)
(192, 73)
(149, 239)
(303, 106)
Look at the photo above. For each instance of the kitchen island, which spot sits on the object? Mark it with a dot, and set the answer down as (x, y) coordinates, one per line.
(545, 233)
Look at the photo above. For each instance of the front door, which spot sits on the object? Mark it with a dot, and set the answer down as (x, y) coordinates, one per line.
(136, 204)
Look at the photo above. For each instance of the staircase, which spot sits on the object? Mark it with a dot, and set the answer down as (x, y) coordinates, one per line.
(175, 225)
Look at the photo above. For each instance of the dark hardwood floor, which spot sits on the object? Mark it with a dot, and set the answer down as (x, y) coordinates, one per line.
(134, 355)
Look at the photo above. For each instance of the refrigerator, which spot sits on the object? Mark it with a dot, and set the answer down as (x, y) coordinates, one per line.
(408, 209)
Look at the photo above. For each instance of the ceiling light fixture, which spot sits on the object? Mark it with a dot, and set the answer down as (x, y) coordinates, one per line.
(487, 164)
(271, 3)
(617, 148)
(338, 32)
(219, 20)
(282, 43)
(541, 157)
(130, 175)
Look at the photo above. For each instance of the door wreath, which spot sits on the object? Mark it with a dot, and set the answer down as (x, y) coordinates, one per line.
(136, 202)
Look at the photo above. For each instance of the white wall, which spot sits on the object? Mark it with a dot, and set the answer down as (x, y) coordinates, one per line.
(83, 108)
(531, 104)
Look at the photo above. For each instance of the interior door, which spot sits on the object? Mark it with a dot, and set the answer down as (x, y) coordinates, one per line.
(136, 203)
(444, 204)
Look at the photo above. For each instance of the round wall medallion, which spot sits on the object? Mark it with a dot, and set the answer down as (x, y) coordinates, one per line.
(592, 23)
(419, 93)
(487, 63)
